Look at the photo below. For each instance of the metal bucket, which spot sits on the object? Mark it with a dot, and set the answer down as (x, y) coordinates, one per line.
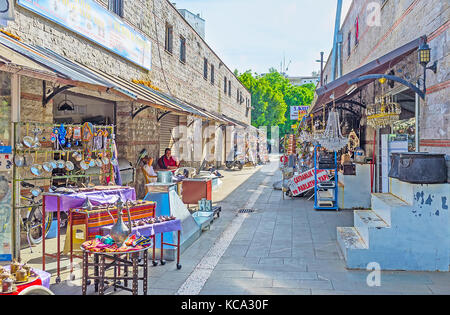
(422, 168)
(165, 177)
(395, 161)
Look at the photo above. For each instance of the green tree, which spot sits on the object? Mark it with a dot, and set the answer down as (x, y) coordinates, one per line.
(272, 96)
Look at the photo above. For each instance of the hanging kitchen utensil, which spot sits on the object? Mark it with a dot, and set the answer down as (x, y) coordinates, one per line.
(36, 169)
(84, 165)
(47, 166)
(37, 132)
(69, 165)
(61, 163)
(36, 191)
(29, 160)
(19, 159)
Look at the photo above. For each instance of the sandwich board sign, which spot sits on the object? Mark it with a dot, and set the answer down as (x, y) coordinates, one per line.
(306, 181)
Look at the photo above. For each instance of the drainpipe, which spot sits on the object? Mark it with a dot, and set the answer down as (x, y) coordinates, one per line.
(417, 122)
(336, 36)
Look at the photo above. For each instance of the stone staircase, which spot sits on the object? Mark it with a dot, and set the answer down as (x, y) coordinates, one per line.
(407, 229)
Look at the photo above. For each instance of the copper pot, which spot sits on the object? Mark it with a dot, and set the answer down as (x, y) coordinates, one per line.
(22, 275)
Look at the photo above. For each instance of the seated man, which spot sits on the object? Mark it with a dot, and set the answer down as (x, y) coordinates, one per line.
(167, 162)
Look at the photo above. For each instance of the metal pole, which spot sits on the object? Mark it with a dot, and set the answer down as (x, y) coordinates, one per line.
(321, 68)
(417, 123)
(336, 34)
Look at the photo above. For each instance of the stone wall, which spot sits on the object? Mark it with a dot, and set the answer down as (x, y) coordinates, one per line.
(183, 80)
(401, 22)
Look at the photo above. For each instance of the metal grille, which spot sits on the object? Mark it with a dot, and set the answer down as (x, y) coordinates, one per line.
(242, 211)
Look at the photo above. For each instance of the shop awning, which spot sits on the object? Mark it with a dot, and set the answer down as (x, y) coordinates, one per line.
(64, 71)
(340, 87)
(45, 64)
(236, 122)
(11, 61)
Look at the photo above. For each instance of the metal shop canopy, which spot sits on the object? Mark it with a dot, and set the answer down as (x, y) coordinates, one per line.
(341, 88)
(42, 63)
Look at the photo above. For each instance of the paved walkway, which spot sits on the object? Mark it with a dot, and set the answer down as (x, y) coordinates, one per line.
(284, 248)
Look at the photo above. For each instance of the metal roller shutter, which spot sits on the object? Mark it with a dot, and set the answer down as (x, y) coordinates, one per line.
(166, 138)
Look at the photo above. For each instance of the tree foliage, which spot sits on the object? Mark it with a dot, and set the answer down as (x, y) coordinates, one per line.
(272, 97)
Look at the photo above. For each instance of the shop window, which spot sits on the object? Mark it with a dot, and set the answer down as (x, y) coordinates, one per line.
(182, 49)
(116, 6)
(349, 44)
(169, 38)
(212, 74)
(205, 69)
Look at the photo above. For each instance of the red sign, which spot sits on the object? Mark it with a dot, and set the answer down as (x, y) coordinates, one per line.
(306, 181)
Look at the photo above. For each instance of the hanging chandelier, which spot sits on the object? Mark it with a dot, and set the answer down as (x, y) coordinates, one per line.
(332, 138)
(384, 112)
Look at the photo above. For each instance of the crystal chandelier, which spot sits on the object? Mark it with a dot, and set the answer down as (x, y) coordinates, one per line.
(384, 112)
(332, 138)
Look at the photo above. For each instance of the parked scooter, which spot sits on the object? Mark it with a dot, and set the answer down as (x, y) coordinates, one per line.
(236, 162)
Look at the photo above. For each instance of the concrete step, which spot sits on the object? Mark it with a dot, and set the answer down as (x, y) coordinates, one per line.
(349, 240)
(402, 190)
(365, 221)
(384, 204)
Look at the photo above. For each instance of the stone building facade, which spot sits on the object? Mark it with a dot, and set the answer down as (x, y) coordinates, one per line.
(374, 28)
(216, 90)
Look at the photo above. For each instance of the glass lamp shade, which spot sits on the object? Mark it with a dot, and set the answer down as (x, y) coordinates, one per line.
(424, 54)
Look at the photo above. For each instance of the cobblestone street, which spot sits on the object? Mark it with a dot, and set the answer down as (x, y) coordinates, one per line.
(285, 247)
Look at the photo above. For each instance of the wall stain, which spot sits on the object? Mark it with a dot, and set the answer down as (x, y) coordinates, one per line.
(429, 200)
(419, 196)
(444, 203)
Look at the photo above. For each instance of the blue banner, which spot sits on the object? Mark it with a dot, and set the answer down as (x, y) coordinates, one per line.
(91, 20)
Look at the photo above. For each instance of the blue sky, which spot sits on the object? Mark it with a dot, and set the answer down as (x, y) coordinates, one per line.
(255, 34)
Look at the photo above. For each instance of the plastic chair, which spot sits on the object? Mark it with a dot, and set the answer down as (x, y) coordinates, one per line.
(36, 290)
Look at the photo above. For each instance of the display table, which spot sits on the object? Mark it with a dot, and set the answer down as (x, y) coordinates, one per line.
(116, 261)
(42, 280)
(93, 221)
(158, 229)
(57, 202)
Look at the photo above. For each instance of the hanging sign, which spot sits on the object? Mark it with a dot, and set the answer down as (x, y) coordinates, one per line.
(298, 112)
(7, 10)
(306, 181)
(91, 20)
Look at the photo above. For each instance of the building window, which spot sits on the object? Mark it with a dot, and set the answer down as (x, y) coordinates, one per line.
(205, 69)
(229, 88)
(225, 83)
(212, 74)
(169, 38)
(356, 31)
(182, 49)
(116, 6)
(237, 98)
(349, 44)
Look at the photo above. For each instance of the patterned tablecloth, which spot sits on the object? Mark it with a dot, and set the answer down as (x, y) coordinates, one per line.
(153, 229)
(43, 280)
(73, 201)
